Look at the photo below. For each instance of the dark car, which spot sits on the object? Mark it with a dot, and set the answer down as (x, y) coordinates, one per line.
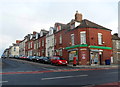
(29, 58)
(34, 58)
(58, 60)
(39, 59)
(16, 56)
(46, 60)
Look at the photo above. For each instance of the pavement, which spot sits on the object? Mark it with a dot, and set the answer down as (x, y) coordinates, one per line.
(95, 66)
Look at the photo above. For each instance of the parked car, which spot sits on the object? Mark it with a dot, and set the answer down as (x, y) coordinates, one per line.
(46, 60)
(34, 58)
(29, 58)
(58, 60)
(39, 59)
(16, 56)
(23, 57)
(11, 56)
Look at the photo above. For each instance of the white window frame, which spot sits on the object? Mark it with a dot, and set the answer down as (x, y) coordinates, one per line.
(30, 44)
(43, 42)
(72, 39)
(118, 44)
(39, 44)
(100, 37)
(34, 45)
(83, 37)
(58, 27)
(60, 39)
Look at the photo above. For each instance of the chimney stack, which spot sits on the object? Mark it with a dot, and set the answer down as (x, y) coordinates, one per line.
(78, 17)
(34, 32)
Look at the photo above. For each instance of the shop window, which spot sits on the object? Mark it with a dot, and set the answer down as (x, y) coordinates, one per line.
(83, 37)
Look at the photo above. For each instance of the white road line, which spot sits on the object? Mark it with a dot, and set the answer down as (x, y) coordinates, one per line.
(63, 77)
(3, 81)
(47, 68)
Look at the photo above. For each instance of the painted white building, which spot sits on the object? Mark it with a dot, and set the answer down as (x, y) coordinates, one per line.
(14, 50)
(50, 42)
(22, 47)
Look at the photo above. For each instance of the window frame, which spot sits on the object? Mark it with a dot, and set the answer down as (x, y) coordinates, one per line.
(72, 39)
(82, 38)
(100, 39)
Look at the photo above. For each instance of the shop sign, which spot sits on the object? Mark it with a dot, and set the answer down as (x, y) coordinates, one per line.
(83, 49)
(72, 50)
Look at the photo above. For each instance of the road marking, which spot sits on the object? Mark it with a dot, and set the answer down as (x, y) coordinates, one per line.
(63, 77)
(3, 81)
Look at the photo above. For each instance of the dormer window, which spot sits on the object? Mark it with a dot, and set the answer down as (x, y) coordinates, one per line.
(72, 26)
(41, 34)
(58, 28)
(30, 37)
(36, 36)
(50, 31)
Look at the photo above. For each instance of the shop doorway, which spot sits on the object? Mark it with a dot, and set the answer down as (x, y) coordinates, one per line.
(94, 58)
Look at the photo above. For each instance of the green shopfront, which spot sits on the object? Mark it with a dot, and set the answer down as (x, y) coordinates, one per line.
(89, 55)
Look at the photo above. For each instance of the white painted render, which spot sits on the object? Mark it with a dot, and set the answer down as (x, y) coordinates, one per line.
(50, 43)
(14, 51)
(22, 47)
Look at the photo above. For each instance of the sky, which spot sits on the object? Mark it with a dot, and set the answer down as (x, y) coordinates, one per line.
(21, 17)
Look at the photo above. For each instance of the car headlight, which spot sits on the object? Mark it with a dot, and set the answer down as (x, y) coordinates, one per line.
(37, 59)
(66, 62)
(60, 61)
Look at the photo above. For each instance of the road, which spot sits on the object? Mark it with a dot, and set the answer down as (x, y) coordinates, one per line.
(21, 72)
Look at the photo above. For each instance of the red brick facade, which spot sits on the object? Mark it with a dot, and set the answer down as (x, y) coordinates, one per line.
(84, 53)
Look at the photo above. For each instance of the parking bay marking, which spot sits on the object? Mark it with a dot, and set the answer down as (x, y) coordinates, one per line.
(63, 77)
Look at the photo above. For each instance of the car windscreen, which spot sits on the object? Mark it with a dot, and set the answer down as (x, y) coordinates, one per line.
(61, 58)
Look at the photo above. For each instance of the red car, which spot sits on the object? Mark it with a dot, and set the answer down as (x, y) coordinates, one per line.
(23, 57)
(58, 60)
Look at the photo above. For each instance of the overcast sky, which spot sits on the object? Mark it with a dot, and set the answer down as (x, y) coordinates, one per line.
(20, 17)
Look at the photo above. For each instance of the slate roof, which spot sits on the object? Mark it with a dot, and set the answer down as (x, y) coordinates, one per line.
(88, 24)
(115, 37)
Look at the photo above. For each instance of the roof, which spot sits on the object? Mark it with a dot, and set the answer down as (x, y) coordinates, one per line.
(115, 37)
(88, 24)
